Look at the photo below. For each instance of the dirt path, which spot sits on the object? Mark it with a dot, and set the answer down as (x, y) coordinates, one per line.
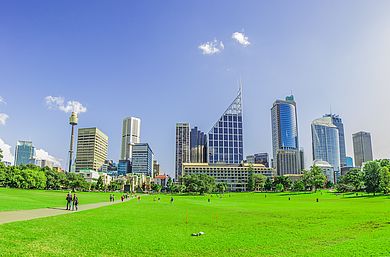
(12, 216)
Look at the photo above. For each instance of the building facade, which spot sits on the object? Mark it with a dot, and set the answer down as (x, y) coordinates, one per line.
(234, 175)
(338, 122)
(92, 149)
(24, 153)
(362, 148)
(131, 134)
(286, 153)
(198, 146)
(182, 147)
(124, 167)
(142, 159)
(258, 158)
(325, 143)
(225, 139)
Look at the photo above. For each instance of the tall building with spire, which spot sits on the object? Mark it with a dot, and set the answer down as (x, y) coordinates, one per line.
(225, 139)
(131, 130)
(286, 153)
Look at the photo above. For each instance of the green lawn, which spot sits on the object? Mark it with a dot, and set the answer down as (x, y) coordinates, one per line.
(19, 199)
(246, 224)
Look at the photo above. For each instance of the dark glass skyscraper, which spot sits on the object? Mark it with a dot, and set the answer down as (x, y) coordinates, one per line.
(286, 153)
(338, 122)
(226, 136)
(198, 146)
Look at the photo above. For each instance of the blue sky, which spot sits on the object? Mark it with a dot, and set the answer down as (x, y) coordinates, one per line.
(141, 58)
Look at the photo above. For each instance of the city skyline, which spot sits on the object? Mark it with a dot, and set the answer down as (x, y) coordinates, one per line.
(338, 51)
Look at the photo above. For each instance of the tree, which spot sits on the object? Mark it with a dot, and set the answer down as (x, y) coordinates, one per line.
(156, 187)
(1, 155)
(298, 186)
(279, 187)
(259, 181)
(372, 176)
(352, 181)
(200, 183)
(251, 180)
(268, 184)
(285, 181)
(222, 187)
(170, 185)
(384, 175)
(99, 183)
(314, 178)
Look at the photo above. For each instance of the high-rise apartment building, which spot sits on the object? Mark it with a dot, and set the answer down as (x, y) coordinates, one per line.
(182, 147)
(325, 142)
(24, 153)
(198, 146)
(338, 122)
(131, 131)
(258, 158)
(92, 148)
(142, 159)
(362, 148)
(226, 136)
(286, 153)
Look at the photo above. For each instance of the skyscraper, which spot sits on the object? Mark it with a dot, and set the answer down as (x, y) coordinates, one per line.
(92, 147)
(131, 130)
(286, 153)
(258, 158)
(362, 148)
(24, 153)
(325, 142)
(198, 146)
(182, 147)
(142, 159)
(338, 122)
(226, 136)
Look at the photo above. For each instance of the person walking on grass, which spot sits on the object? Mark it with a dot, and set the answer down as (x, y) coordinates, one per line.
(75, 202)
(122, 198)
(68, 201)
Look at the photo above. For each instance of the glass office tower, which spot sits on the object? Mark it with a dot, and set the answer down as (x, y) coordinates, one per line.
(198, 146)
(286, 153)
(325, 143)
(24, 153)
(338, 122)
(226, 136)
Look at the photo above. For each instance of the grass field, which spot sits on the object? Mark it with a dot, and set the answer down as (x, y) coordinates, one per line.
(18, 199)
(244, 224)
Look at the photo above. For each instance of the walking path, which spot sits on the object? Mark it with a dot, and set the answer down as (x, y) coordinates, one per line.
(12, 216)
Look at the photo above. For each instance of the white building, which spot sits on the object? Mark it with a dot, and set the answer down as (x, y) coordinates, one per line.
(234, 175)
(131, 130)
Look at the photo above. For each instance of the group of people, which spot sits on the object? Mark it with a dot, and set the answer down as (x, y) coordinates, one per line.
(72, 202)
(123, 197)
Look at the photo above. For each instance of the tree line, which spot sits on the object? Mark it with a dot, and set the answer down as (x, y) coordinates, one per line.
(34, 177)
(373, 178)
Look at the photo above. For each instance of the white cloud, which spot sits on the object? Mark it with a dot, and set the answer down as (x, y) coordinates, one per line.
(241, 38)
(7, 153)
(3, 118)
(2, 100)
(58, 102)
(212, 47)
(41, 154)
